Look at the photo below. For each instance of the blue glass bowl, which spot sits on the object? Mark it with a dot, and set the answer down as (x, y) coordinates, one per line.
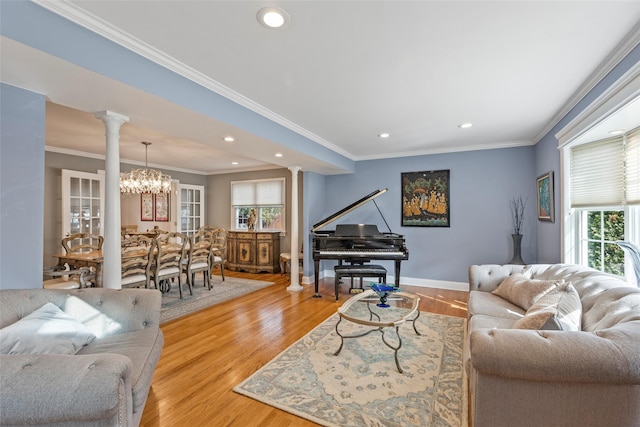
(383, 290)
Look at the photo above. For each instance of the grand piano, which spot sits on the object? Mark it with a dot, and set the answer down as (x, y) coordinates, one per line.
(356, 243)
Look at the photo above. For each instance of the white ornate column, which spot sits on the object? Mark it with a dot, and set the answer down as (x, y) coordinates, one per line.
(295, 240)
(111, 267)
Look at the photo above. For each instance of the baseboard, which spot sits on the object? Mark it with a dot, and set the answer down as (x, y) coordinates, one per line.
(422, 283)
(439, 284)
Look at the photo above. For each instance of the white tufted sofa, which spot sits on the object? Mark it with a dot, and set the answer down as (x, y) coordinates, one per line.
(105, 383)
(535, 378)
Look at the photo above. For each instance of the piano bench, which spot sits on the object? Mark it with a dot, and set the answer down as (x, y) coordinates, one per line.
(360, 271)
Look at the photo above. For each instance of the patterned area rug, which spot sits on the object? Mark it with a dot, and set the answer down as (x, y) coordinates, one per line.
(361, 386)
(174, 307)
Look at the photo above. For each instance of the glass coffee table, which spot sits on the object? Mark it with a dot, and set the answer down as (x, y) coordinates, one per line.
(380, 312)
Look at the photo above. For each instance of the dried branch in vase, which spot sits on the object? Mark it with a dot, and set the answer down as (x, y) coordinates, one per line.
(517, 205)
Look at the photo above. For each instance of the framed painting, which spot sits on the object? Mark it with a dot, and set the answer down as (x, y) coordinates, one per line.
(425, 199)
(161, 212)
(544, 185)
(146, 207)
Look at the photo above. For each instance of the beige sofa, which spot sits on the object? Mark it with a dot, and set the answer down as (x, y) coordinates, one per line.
(106, 382)
(568, 378)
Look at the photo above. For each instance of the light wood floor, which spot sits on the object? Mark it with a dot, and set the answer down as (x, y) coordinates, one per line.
(207, 353)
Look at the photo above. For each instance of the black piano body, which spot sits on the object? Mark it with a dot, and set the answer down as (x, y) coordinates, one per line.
(356, 243)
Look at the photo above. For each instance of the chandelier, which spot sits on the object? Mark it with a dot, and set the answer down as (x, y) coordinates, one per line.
(144, 180)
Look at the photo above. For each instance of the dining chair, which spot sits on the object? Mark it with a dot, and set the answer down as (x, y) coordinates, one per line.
(136, 240)
(157, 231)
(66, 279)
(169, 252)
(126, 229)
(136, 253)
(199, 258)
(285, 261)
(209, 229)
(219, 250)
(82, 242)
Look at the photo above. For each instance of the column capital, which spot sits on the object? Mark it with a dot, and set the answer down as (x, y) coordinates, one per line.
(294, 169)
(111, 117)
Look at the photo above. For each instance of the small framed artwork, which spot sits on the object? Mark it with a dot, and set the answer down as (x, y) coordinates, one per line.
(146, 207)
(161, 212)
(544, 185)
(425, 199)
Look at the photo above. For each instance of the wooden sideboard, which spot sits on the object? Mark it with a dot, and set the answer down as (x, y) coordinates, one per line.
(253, 251)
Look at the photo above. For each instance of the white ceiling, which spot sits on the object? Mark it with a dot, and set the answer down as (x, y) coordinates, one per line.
(339, 73)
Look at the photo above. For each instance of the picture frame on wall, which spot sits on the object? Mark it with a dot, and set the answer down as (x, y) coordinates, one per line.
(146, 207)
(161, 211)
(544, 185)
(426, 199)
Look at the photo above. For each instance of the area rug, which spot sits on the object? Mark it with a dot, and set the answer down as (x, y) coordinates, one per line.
(361, 386)
(173, 307)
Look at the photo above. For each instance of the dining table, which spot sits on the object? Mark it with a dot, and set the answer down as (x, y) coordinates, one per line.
(93, 259)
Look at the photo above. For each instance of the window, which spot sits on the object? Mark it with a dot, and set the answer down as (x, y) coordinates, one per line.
(605, 201)
(191, 208)
(598, 232)
(82, 201)
(267, 197)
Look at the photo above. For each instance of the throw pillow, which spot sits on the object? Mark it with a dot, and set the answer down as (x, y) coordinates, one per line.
(559, 310)
(48, 330)
(523, 291)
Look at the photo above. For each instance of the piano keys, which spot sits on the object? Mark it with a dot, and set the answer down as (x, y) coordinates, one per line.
(356, 243)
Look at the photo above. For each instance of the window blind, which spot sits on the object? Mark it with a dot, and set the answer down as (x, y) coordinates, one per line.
(632, 167)
(243, 193)
(257, 193)
(606, 172)
(597, 174)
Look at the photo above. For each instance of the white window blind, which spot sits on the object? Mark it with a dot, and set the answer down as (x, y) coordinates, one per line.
(257, 193)
(605, 173)
(632, 168)
(243, 193)
(597, 174)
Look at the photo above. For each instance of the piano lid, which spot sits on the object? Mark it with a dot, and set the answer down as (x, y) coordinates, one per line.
(348, 209)
(356, 230)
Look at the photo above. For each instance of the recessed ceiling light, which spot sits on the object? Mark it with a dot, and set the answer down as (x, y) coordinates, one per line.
(616, 132)
(384, 135)
(234, 163)
(278, 154)
(465, 125)
(272, 17)
(229, 138)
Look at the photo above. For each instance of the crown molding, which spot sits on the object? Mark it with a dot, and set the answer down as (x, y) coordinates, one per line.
(447, 150)
(79, 153)
(79, 16)
(110, 32)
(619, 94)
(627, 44)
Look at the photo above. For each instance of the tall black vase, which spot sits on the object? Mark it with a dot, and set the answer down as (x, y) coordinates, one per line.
(517, 242)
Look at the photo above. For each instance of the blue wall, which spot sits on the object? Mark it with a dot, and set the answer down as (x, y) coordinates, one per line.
(547, 158)
(21, 187)
(482, 182)
(482, 185)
